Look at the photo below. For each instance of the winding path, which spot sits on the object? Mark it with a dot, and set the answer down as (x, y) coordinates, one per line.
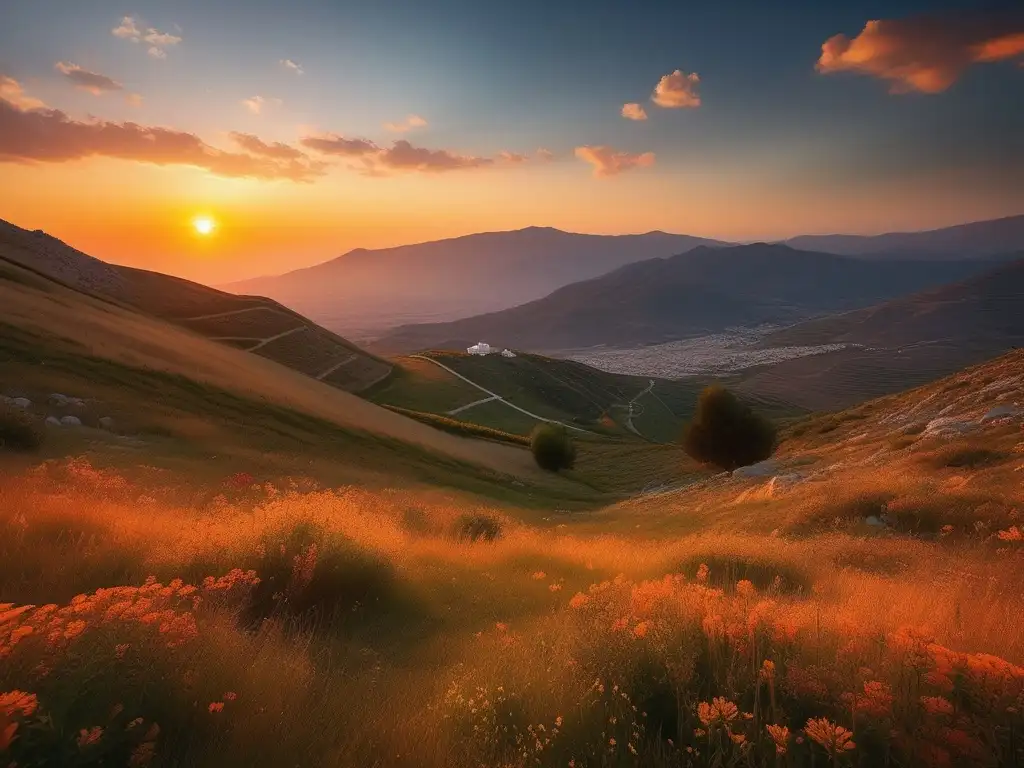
(496, 396)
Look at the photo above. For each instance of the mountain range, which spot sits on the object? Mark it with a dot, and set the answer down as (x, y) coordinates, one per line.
(702, 291)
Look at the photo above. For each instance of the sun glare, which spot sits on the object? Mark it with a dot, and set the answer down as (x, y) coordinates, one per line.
(204, 225)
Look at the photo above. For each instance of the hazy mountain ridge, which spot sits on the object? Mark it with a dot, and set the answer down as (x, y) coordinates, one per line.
(702, 291)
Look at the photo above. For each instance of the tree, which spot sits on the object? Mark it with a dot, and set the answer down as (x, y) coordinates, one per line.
(726, 432)
(552, 447)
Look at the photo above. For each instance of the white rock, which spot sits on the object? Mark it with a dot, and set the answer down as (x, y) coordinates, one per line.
(949, 426)
(76, 401)
(58, 399)
(70, 421)
(108, 423)
(875, 521)
(20, 402)
(52, 421)
(1000, 412)
(761, 469)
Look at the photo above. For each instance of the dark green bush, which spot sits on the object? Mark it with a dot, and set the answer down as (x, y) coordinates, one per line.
(474, 527)
(552, 447)
(727, 433)
(18, 430)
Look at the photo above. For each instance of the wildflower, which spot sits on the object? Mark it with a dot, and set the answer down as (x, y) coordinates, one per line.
(876, 701)
(558, 721)
(702, 573)
(89, 737)
(745, 588)
(554, 587)
(1013, 533)
(946, 530)
(720, 710)
(74, 629)
(936, 705)
(699, 733)
(137, 721)
(216, 706)
(834, 738)
(17, 702)
(578, 600)
(612, 742)
(768, 670)
(780, 735)
(230, 696)
(641, 629)
(539, 576)
(737, 738)
(501, 626)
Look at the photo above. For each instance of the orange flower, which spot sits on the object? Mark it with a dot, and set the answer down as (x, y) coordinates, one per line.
(88, 737)
(539, 576)
(834, 738)
(216, 706)
(745, 588)
(780, 735)
(17, 702)
(1013, 533)
(768, 670)
(641, 629)
(554, 587)
(501, 626)
(936, 705)
(578, 600)
(720, 710)
(702, 573)
(230, 696)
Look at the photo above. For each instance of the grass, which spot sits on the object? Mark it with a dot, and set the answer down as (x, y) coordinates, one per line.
(458, 427)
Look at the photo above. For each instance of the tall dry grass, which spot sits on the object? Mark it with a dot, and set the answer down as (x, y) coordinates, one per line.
(286, 624)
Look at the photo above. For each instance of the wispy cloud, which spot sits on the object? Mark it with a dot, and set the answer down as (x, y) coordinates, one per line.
(610, 162)
(333, 144)
(677, 90)
(12, 93)
(292, 66)
(254, 104)
(545, 155)
(32, 133)
(400, 156)
(927, 53)
(512, 158)
(410, 122)
(93, 82)
(256, 146)
(158, 42)
(634, 111)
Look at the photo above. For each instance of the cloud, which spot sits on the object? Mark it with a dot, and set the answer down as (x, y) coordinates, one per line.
(927, 53)
(512, 158)
(634, 112)
(134, 99)
(92, 82)
(158, 41)
(410, 122)
(11, 92)
(609, 162)
(127, 30)
(256, 146)
(545, 155)
(292, 66)
(677, 90)
(254, 104)
(48, 135)
(400, 156)
(332, 144)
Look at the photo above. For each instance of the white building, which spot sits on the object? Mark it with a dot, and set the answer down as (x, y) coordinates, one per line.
(480, 348)
(507, 353)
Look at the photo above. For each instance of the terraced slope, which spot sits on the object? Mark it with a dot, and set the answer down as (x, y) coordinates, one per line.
(250, 323)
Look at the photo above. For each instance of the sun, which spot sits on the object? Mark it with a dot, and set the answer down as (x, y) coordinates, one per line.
(204, 225)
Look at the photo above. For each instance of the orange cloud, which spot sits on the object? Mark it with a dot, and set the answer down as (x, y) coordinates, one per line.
(93, 82)
(512, 158)
(634, 112)
(412, 121)
(256, 146)
(158, 41)
(401, 156)
(610, 162)
(545, 155)
(37, 134)
(332, 144)
(925, 54)
(677, 90)
(11, 92)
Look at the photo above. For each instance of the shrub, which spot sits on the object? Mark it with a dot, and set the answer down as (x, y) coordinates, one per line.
(727, 433)
(18, 430)
(475, 527)
(552, 447)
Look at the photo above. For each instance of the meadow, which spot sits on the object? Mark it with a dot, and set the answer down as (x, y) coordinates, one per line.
(153, 619)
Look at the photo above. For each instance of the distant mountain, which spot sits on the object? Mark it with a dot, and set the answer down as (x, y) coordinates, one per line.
(366, 290)
(904, 342)
(251, 323)
(703, 291)
(982, 239)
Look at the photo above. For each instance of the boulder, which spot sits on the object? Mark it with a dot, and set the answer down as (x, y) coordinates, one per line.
(106, 423)
(949, 426)
(761, 469)
(1000, 412)
(52, 421)
(70, 421)
(58, 400)
(20, 402)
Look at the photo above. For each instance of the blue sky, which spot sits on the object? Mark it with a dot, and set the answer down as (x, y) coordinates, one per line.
(516, 76)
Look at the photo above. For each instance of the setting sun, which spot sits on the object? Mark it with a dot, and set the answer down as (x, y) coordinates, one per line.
(204, 225)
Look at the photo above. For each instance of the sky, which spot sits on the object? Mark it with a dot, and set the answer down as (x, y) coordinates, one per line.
(302, 130)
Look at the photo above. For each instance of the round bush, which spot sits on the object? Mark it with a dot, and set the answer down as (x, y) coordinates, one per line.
(18, 430)
(727, 433)
(552, 447)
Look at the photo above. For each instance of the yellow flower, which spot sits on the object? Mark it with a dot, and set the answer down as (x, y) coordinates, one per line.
(834, 738)
(720, 710)
(780, 735)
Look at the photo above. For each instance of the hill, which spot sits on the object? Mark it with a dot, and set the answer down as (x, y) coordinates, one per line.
(906, 341)
(981, 239)
(702, 291)
(250, 323)
(514, 394)
(364, 291)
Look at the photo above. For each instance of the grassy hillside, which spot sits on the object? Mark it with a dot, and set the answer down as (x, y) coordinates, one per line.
(250, 323)
(422, 628)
